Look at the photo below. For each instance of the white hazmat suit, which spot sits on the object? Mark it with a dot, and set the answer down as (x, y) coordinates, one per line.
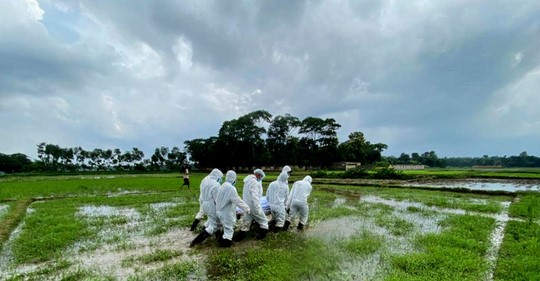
(277, 194)
(227, 200)
(209, 188)
(251, 194)
(297, 201)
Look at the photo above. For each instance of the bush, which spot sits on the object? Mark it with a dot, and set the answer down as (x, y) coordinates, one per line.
(388, 173)
(356, 173)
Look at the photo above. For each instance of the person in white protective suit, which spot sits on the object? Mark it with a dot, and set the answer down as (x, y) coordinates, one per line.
(227, 200)
(277, 194)
(297, 202)
(214, 176)
(209, 188)
(251, 194)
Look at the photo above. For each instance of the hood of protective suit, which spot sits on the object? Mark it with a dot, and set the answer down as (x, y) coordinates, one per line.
(308, 179)
(216, 174)
(283, 177)
(259, 172)
(286, 169)
(246, 179)
(230, 176)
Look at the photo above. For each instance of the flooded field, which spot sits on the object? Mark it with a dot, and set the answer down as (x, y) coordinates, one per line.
(483, 184)
(354, 232)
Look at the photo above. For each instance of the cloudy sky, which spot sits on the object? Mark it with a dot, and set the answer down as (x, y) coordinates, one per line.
(458, 77)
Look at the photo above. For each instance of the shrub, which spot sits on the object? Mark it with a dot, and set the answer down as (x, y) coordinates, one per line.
(356, 173)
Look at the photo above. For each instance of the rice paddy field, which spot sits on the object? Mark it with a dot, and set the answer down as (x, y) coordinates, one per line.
(136, 227)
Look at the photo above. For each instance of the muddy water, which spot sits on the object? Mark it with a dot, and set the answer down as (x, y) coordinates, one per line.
(508, 186)
(3, 210)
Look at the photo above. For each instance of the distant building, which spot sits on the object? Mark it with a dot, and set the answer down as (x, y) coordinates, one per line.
(407, 167)
(347, 165)
(486, 167)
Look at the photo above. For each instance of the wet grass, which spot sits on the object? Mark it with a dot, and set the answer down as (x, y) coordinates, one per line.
(54, 225)
(363, 244)
(27, 187)
(11, 219)
(285, 256)
(455, 254)
(516, 173)
(155, 256)
(441, 199)
(177, 271)
(518, 256)
(528, 207)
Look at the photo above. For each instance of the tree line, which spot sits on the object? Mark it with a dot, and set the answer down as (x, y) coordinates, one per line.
(245, 143)
(256, 139)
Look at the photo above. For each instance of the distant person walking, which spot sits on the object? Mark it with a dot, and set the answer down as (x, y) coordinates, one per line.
(186, 179)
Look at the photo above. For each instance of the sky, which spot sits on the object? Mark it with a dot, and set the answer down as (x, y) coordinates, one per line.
(461, 78)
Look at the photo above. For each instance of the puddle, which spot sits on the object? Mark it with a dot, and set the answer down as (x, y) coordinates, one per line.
(3, 210)
(163, 205)
(114, 244)
(121, 192)
(339, 202)
(487, 186)
(365, 268)
(107, 211)
(496, 239)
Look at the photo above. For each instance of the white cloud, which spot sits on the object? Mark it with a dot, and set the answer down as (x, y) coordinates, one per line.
(513, 111)
(157, 73)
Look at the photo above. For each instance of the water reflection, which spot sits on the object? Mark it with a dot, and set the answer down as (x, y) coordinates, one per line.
(489, 186)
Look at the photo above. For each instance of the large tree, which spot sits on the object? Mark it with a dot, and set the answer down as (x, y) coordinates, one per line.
(358, 149)
(281, 143)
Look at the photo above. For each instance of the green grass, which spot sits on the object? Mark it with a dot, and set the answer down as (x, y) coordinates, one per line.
(176, 271)
(363, 244)
(528, 207)
(458, 252)
(12, 218)
(435, 198)
(518, 256)
(54, 225)
(455, 254)
(284, 256)
(516, 173)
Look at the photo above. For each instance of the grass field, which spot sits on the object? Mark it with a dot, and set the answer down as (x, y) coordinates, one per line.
(135, 227)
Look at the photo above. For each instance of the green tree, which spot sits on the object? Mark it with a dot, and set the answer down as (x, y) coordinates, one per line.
(358, 149)
(281, 143)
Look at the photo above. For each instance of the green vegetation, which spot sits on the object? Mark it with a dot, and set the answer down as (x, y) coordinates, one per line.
(455, 254)
(527, 207)
(279, 257)
(354, 232)
(363, 244)
(518, 257)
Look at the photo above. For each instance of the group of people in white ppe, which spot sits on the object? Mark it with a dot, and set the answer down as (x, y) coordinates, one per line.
(220, 202)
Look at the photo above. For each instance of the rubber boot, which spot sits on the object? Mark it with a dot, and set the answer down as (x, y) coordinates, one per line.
(278, 229)
(271, 225)
(286, 225)
(300, 226)
(262, 233)
(241, 235)
(200, 238)
(219, 234)
(225, 243)
(194, 224)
